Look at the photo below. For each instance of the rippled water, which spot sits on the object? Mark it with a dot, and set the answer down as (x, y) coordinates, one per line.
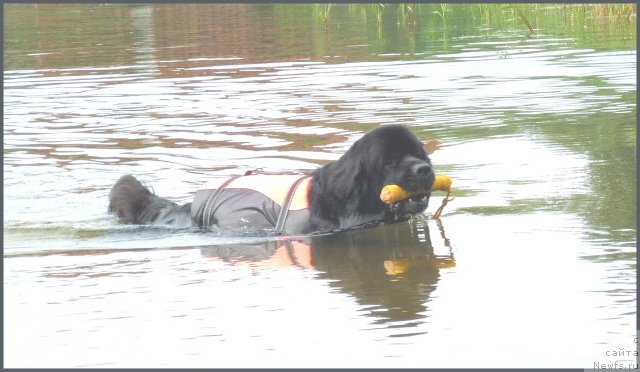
(533, 263)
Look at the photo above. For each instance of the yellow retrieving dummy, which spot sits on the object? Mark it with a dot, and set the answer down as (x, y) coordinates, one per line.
(393, 193)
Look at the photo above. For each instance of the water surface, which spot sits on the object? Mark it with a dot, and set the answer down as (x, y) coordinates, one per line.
(533, 264)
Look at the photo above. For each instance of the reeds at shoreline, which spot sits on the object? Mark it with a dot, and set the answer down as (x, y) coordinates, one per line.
(525, 14)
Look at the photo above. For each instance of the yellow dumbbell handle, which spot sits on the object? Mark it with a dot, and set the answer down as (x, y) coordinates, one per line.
(393, 193)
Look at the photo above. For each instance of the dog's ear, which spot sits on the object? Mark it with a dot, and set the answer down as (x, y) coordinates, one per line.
(348, 170)
(349, 177)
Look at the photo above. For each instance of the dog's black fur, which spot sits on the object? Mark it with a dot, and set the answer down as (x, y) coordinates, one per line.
(344, 194)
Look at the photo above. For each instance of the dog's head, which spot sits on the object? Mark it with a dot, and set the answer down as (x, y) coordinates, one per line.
(405, 163)
(393, 155)
(347, 192)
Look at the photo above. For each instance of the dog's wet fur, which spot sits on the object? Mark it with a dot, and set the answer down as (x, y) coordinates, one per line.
(344, 194)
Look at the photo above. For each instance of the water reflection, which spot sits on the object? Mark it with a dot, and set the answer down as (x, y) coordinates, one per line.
(390, 270)
(102, 35)
(538, 134)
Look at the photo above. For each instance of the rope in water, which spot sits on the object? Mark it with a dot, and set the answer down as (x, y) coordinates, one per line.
(446, 200)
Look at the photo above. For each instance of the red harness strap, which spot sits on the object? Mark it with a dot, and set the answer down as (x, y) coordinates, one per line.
(211, 200)
(284, 210)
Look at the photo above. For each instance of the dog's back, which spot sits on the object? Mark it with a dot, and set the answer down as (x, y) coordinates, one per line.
(243, 204)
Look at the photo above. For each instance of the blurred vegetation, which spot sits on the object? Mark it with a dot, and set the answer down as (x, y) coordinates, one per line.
(529, 15)
(442, 22)
(38, 35)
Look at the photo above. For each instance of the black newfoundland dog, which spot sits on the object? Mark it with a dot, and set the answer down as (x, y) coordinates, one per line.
(341, 195)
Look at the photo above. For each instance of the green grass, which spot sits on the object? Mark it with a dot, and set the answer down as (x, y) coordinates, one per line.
(524, 15)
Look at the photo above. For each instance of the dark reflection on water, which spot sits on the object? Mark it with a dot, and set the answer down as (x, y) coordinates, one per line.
(390, 270)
